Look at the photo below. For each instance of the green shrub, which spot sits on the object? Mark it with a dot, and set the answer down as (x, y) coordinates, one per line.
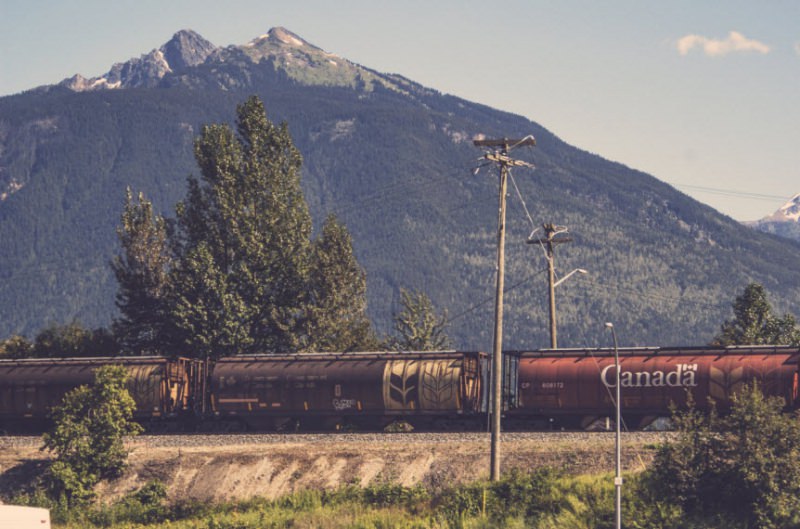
(742, 469)
(87, 437)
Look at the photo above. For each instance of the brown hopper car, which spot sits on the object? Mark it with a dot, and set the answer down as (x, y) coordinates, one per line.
(574, 387)
(360, 389)
(29, 388)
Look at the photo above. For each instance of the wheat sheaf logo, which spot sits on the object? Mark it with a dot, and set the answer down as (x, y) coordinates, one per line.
(428, 385)
(725, 383)
(438, 382)
(401, 385)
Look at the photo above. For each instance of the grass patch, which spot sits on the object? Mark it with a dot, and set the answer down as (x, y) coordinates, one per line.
(542, 499)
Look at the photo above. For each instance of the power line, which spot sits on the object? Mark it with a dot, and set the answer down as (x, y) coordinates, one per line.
(656, 297)
(506, 290)
(731, 192)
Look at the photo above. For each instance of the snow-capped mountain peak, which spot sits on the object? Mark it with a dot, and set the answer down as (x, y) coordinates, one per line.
(789, 212)
(784, 222)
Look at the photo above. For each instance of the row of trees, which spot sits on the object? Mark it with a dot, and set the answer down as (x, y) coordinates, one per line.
(417, 327)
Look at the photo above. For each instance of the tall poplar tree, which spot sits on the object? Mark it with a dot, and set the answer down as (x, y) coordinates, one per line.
(242, 241)
(337, 312)
(142, 271)
(238, 273)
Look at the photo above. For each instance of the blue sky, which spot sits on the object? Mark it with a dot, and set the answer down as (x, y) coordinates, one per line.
(703, 95)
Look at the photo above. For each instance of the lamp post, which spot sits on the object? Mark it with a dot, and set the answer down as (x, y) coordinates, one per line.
(576, 271)
(618, 475)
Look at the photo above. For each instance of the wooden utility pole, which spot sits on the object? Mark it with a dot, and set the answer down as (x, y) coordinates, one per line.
(549, 241)
(500, 156)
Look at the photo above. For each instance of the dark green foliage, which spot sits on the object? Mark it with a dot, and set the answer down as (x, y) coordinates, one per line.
(754, 323)
(144, 506)
(743, 468)
(142, 273)
(87, 436)
(337, 314)
(65, 341)
(531, 496)
(16, 347)
(245, 277)
(242, 241)
(418, 326)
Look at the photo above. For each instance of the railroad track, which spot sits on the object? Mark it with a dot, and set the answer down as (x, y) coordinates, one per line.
(212, 440)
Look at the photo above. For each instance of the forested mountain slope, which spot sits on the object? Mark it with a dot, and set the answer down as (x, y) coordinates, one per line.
(395, 161)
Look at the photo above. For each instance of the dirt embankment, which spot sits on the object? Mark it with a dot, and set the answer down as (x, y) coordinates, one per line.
(227, 468)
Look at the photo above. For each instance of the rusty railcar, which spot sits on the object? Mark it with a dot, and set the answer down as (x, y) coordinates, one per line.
(367, 390)
(574, 388)
(29, 388)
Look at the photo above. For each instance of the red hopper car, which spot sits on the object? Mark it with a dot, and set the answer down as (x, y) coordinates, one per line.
(573, 388)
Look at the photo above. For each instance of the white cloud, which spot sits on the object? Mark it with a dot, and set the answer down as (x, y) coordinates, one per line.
(735, 42)
(797, 48)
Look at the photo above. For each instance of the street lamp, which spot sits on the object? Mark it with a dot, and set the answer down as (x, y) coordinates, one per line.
(618, 476)
(576, 271)
(553, 285)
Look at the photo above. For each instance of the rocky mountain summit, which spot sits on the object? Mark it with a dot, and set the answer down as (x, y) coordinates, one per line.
(171, 65)
(186, 48)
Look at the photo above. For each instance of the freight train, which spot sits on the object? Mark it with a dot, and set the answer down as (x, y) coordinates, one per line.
(446, 390)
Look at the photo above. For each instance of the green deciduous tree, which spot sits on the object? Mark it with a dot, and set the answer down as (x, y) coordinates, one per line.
(63, 341)
(418, 326)
(88, 434)
(754, 323)
(16, 346)
(142, 272)
(243, 241)
(742, 467)
(337, 306)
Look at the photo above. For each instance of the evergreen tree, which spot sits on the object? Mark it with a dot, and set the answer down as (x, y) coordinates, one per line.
(754, 323)
(242, 241)
(88, 436)
(418, 326)
(142, 272)
(337, 311)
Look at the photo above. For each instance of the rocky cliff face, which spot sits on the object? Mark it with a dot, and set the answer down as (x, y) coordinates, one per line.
(185, 49)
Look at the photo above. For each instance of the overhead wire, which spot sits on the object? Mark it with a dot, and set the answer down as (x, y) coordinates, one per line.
(491, 298)
(730, 192)
(522, 200)
(657, 297)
